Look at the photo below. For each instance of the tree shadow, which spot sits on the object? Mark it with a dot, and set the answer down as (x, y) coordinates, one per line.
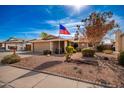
(41, 67)
(47, 64)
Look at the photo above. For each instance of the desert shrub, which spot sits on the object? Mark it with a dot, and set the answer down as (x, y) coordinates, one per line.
(46, 52)
(75, 68)
(69, 51)
(9, 59)
(79, 71)
(108, 51)
(100, 48)
(121, 58)
(87, 52)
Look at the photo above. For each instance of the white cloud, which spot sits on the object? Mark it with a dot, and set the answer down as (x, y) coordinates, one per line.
(119, 20)
(52, 22)
(67, 22)
(48, 11)
(70, 24)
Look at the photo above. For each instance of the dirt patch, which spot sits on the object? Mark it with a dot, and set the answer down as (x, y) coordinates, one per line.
(102, 71)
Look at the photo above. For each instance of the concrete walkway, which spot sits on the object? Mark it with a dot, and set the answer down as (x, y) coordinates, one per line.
(11, 77)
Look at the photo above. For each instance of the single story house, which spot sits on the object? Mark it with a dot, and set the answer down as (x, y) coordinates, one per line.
(54, 44)
(119, 41)
(19, 44)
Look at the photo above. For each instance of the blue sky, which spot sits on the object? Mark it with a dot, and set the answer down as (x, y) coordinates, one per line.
(27, 22)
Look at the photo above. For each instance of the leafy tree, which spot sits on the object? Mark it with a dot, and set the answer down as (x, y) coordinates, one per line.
(96, 26)
(43, 35)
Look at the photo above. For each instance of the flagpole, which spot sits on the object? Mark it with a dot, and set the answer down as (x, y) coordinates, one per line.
(64, 31)
(59, 43)
(59, 39)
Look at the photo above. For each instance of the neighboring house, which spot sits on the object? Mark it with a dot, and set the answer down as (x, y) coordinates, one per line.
(2, 47)
(0, 44)
(53, 43)
(19, 44)
(119, 43)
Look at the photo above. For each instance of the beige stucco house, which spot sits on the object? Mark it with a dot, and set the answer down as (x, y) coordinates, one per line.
(41, 45)
(14, 42)
(53, 44)
(119, 41)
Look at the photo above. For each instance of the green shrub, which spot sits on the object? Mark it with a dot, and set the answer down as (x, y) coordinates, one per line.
(69, 51)
(9, 59)
(87, 52)
(121, 58)
(46, 52)
(100, 48)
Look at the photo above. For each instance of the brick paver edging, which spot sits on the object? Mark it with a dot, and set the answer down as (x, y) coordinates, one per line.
(68, 77)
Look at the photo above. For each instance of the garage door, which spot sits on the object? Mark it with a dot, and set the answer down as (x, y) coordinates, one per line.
(40, 47)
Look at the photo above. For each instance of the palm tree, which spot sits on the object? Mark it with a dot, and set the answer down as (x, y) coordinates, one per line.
(43, 35)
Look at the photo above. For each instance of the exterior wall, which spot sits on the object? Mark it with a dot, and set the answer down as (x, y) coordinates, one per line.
(122, 45)
(65, 45)
(53, 45)
(32, 47)
(40, 46)
(118, 43)
(82, 45)
(56, 45)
